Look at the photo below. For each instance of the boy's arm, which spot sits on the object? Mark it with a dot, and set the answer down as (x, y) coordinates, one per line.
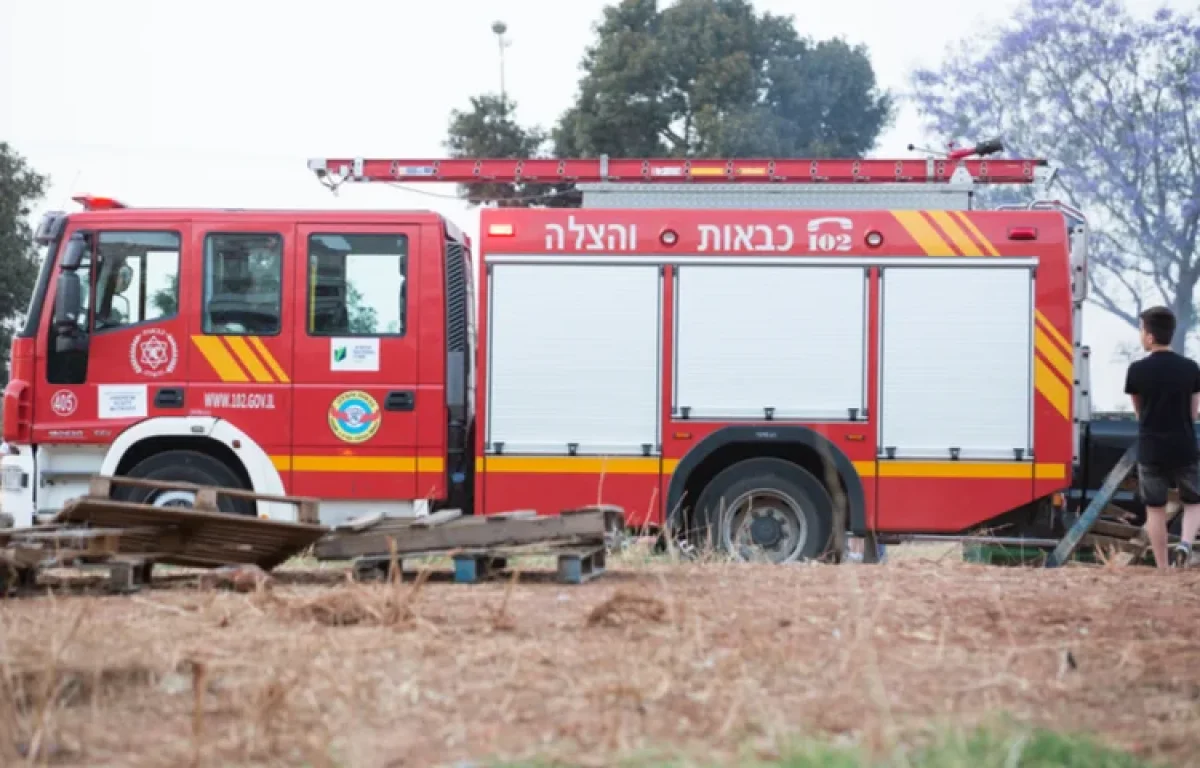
(1195, 391)
(1132, 389)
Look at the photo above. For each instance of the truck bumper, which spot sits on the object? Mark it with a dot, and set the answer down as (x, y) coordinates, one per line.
(16, 486)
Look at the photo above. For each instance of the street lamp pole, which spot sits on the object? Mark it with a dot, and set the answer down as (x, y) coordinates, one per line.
(498, 29)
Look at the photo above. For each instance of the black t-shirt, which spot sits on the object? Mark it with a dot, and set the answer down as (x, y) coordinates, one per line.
(1165, 382)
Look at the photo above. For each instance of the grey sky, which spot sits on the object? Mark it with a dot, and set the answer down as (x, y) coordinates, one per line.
(221, 103)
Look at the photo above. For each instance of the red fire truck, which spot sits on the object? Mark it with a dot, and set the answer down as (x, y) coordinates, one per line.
(751, 349)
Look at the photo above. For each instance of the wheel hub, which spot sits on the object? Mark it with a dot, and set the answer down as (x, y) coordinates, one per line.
(766, 531)
(184, 499)
(765, 525)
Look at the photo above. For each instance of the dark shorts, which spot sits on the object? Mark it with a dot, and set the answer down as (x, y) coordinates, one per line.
(1154, 482)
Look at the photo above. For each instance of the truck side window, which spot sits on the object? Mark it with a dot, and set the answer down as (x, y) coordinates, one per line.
(356, 285)
(138, 279)
(243, 284)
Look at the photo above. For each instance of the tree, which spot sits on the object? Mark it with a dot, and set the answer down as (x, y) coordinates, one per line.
(20, 188)
(363, 317)
(713, 78)
(488, 129)
(701, 77)
(1114, 101)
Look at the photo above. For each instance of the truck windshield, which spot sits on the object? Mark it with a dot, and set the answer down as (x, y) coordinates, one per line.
(45, 260)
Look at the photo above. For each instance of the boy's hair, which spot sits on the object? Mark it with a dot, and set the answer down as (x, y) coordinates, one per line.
(1159, 322)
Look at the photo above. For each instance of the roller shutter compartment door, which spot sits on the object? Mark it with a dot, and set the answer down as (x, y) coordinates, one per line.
(786, 338)
(956, 361)
(574, 359)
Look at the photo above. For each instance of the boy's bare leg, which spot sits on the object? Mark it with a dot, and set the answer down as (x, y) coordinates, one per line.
(1156, 530)
(1191, 523)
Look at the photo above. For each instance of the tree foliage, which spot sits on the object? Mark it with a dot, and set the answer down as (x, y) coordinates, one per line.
(488, 129)
(1114, 101)
(20, 188)
(698, 78)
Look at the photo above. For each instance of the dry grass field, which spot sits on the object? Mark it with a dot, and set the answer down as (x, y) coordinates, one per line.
(714, 663)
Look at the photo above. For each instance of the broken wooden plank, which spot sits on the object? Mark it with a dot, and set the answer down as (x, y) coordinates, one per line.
(441, 517)
(356, 524)
(467, 533)
(500, 517)
(194, 537)
(307, 508)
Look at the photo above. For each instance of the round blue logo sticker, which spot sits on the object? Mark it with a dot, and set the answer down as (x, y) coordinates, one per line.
(354, 416)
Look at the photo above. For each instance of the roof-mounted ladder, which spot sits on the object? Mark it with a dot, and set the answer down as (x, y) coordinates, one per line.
(715, 183)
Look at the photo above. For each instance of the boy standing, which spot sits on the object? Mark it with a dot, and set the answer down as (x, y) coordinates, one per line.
(1165, 389)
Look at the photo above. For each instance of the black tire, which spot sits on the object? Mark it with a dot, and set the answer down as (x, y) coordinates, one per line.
(787, 490)
(186, 467)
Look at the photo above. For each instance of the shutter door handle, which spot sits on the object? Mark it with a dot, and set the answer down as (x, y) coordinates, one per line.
(403, 400)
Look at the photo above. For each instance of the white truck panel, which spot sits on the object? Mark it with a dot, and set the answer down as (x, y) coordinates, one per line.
(791, 338)
(574, 358)
(957, 352)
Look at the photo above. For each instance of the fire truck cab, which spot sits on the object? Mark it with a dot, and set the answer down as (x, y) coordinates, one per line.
(310, 353)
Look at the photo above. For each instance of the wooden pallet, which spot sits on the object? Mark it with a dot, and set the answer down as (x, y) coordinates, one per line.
(449, 530)
(202, 536)
(575, 564)
(29, 552)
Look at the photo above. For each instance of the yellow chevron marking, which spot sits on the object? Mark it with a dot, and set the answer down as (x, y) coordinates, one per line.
(955, 233)
(1054, 356)
(1052, 388)
(218, 356)
(246, 356)
(269, 359)
(1064, 346)
(969, 225)
(921, 231)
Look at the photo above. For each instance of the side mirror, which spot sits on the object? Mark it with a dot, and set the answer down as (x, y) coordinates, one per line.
(68, 302)
(74, 252)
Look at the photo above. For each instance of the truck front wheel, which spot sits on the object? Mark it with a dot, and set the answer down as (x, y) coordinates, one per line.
(767, 509)
(186, 467)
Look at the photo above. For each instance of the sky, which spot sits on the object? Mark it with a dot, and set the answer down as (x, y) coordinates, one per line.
(221, 103)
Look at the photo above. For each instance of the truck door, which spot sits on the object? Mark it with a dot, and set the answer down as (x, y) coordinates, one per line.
(134, 363)
(241, 367)
(355, 384)
(125, 358)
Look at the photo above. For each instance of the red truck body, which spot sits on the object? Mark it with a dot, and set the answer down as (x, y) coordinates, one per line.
(917, 364)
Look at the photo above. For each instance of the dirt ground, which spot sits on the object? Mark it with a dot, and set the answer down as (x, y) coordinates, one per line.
(714, 661)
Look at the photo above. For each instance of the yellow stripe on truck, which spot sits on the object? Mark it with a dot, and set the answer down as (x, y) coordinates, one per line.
(219, 357)
(1045, 324)
(1052, 388)
(285, 463)
(269, 359)
(595, 465)
(248, 359)
(969, 225)
(924, 233)
(1053, 355)
(960, 238)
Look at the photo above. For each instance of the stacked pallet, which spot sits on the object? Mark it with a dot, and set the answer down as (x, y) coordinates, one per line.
(127, 539)
(480, 545)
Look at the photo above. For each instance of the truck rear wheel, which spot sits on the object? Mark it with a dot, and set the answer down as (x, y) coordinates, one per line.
(767, 509)
(186, 467)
